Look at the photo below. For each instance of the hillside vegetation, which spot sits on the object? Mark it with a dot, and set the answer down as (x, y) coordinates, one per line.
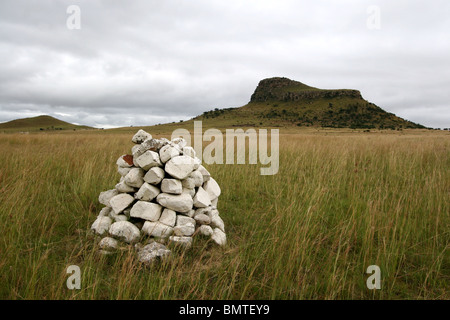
(39, 123)
(284, 102)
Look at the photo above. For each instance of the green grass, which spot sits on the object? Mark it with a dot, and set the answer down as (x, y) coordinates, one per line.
(338, 204)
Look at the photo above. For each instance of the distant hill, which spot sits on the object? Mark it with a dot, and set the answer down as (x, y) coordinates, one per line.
(284, 102)
(39, 123)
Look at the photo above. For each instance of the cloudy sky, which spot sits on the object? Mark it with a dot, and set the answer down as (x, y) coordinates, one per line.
(148, 62)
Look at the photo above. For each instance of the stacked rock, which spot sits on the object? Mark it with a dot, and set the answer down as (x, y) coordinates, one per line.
(164, 194)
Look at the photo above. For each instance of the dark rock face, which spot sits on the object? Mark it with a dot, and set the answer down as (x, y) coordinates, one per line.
(284, 89)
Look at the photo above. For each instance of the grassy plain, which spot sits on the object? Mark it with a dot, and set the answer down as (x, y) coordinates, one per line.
(340, 202)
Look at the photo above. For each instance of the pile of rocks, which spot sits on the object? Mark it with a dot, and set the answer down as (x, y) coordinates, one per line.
(164, 197)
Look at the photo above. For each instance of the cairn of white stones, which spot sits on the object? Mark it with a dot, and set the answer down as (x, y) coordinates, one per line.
(164, 197)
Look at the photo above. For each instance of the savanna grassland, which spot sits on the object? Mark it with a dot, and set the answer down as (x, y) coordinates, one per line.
(339, 203)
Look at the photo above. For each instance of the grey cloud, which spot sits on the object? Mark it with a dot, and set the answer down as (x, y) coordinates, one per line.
(171, 60)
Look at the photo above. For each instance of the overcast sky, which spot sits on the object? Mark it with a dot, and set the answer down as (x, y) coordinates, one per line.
(148, 62)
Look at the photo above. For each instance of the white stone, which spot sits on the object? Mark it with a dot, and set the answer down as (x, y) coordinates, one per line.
(178, 203)
(217, 222)
(154, 175)
(135, 150)
(205, 173)
(123, 171)
(197, 177)
(206, 211)
(183, 220)
(215, 202)
(147, 192)
(212, 187)
(121, 202)
(108, 244)
(188, 183)
(185, 242)
(141, 136)
(152, 253)
(106, 196)
(184, 230)
(146, 210)
(190, 192)
(180, 142)
(219, 237)
(172, 186)
(125, 231)
(148, 159)
(189, 151)
(180, 167)
(157, 229)
(168, 152)
(123, 163)
(168, 217)
(118, 217)
(201, 198)
(202, 219)
(124, 188)
(135, 178)
(149, 144)
(101, 225)
(104, 212)
(205, 230)
(197, 163)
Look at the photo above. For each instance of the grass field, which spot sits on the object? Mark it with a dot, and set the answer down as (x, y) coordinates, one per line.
(339, 203)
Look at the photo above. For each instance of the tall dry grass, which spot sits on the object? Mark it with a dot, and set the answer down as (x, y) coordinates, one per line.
(337, 205)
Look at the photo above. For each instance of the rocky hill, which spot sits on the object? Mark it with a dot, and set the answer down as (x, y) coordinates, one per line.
(284, 102)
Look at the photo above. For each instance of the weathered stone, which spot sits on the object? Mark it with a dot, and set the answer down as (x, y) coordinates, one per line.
(205, 173)
(201, 198)
(182, 220)
(212, 188)
(124, 188)
(121, 202)
(154, 175)
(188, 183)
(202, 219)
(125, 231)
(146, 210)
(135, 178)
(219, 237)
(197, 178)
(148, 159)
(125, 161)
(123, 171)
(179, 203)
(135, 150)
(106, 196)
(118, 217)
(197, 163)
(172, 186)
(189, 151)
(215, 202)
(205, 230)
(104, 212)
(168, 152)
(190, 192)
(141, 136)
(180, 167)
(157, 229)
(108, 244)
(184, 230)
(168, 217)
(217, 222)
(206, 211)
(185, 242)
(147, 192)
(180, 142)
(150, 144)
(101, 225)
(152, 253)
